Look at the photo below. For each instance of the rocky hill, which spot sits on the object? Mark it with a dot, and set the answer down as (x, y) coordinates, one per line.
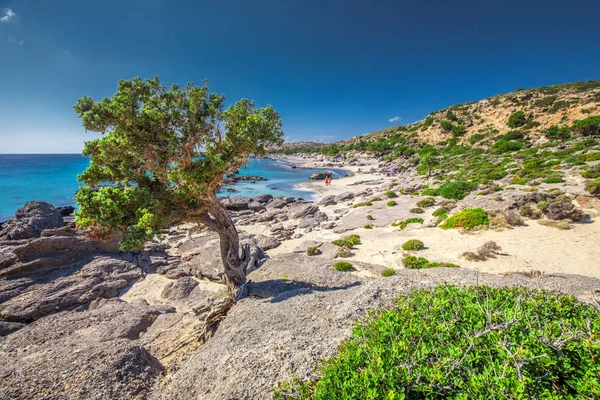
(534, 110)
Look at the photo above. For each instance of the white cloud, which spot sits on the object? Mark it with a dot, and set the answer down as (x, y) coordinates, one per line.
(16, 41)
(8, 15)
(395, 119)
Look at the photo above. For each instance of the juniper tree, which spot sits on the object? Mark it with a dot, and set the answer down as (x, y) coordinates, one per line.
(163, 154)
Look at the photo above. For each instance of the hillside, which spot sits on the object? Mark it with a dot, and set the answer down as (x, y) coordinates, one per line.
(480, 121)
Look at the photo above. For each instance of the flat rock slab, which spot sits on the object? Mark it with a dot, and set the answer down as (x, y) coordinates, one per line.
(81, 355)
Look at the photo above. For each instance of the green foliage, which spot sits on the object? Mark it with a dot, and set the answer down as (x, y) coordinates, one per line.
(555, 132)
(446, 125)
(342, 266)
(390, 194)
(456, 190)
(403, 224)
(429, 192)
(465, 343)
(468, 218)
(593, 186)
(391, 203)
(513, 135)
(363, 204)
(428, 158)
(458, 130)
(313, 251)
(388, 272)
(368, 226)
(587, 127)
(163, 152)
(553, 179)
(476, 138)
(450, 115)
(413, 244)
(413, 262)
(517, 119)
(428, 202)
(505, 146)
(376, 199)
(348, 241)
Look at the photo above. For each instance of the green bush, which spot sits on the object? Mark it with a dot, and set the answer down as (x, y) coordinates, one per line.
(428, 202)
(587, 127)
(313, 251)
(458, 130)
(592, 157)
(365, 204)
(593, 186)
(554, 132)
(368, 226)
(390, 194)
(504, 146)
(553, 179)
(376, 199)
(388, 272)
(456, 190)
(342, 266)
(513, 135)
(465, 343)
(517, 119)
(468, 218)
(348, 241)
(403, 224)
(430, 192)
(413, 262)
(413, 245)
(391, 203)
(446, 125)
(476, 138)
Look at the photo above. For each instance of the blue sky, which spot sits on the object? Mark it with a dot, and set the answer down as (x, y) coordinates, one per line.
(333, 69)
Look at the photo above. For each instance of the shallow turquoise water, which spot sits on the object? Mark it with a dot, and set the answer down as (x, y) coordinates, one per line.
(53, 178)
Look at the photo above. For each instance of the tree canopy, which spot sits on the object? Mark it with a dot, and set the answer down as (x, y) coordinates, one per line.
(163, 155)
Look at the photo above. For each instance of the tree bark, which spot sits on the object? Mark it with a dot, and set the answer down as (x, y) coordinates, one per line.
(235, 265)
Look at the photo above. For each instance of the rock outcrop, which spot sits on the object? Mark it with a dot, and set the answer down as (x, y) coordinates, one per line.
(30, 220)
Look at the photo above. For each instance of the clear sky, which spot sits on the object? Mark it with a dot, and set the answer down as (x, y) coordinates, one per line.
(333, 69)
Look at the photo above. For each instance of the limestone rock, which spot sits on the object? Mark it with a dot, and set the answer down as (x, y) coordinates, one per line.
(30, 220)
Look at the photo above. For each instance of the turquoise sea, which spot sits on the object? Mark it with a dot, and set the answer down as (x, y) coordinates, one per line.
(53, 178)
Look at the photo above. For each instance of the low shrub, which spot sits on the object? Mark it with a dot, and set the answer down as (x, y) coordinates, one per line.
(413, 245)
(457, 190)
(348, 241)
(505, 146)
(344, 252)
(413, 262)
(553, 179)
(364, 204)
(388, 272)
(342, 266)
(446, 125)
(593, 187)
(390, 194)
(313, 251)
(468, 218)
(517, 119)
(370, 217)
(391, 203)
(476, 138)
(416, 210)
(560, 210)
(403, 224)
(563, 225)
(513, 135)
(458, 130)
(555, 132)
(487, 250)
(368, 226)
(587, 127)
(430, 192)
(376, 199)
(465, 343)
(428, 202)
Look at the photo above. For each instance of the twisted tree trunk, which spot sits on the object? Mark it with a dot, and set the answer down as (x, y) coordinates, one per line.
(235, 264)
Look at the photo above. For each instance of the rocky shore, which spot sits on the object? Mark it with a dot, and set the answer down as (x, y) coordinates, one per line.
(80, 319)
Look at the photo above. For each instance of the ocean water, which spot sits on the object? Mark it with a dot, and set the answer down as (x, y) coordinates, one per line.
(53, 178)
